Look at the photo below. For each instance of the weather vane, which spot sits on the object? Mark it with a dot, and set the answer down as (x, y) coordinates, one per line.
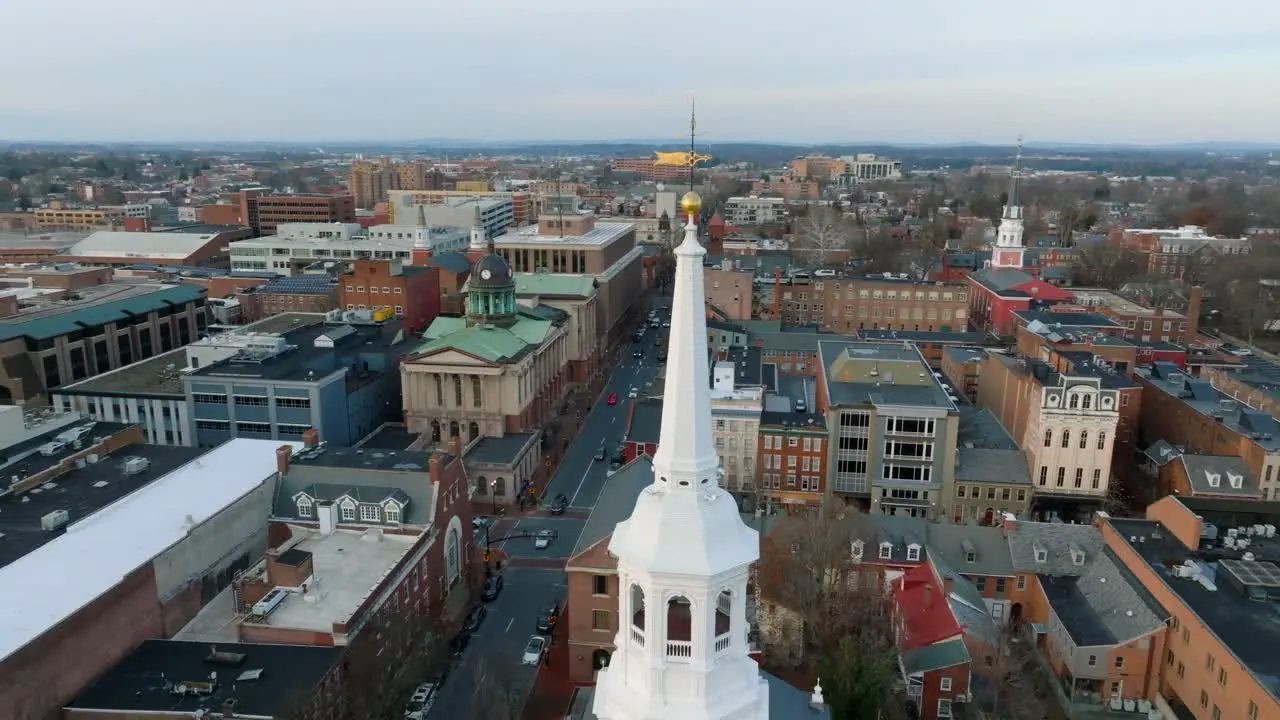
(685, 158)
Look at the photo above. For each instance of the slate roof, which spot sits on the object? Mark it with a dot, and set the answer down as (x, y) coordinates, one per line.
(1103, 606)
(952, 543)
(1219, 475)
(454, 262)
(980, 428)
(1056, 539)
(1006, 467)
(77, 317)
(1001, 279)
(410, 484)
(616, 502)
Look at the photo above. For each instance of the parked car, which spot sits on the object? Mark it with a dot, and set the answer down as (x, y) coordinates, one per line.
(613, 468)
(492, 588)
(459, 643)
(548, 618)
(424, 696)
(613, 398)
(474, 618)
(543, 539)
(54, 447)
(561, 502)
(534, 650)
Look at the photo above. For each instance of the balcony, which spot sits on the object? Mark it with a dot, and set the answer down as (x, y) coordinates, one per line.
(723, 642)
(637, 636)
(679, 650)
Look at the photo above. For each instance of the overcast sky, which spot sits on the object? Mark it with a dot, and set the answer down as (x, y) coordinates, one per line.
(1151, 71)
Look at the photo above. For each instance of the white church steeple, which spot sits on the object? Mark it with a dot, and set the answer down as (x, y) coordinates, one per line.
(684, 554)
(1009, 242)
(479, 238)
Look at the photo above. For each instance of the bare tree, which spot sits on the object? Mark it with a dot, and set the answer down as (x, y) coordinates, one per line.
(1006, 677)
(823, 614)
(822, 237)
(1105, 264)
(496, 695)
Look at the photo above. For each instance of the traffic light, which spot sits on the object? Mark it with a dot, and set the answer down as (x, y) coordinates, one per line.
(487, 556)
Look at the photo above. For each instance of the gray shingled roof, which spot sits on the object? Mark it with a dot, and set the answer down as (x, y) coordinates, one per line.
(414, 489)
(616, 502)
(1101, 606)
(1219, 475)
(1056, 540)
(1161, 452)
(953, 543)
(1000, 279)
(992, 466)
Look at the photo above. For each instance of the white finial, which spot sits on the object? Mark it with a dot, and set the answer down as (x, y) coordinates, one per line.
(816, 698)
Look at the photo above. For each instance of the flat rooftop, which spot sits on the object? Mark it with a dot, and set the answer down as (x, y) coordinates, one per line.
(365, 458)
(159, 376)
(869, 373)
(305, 361)
(94, 554)
(56, 240)
(603, 234)
(924, 336)
(348, 565)
(263, 680)
(80, 492)
(1249, 629)
(389, 436)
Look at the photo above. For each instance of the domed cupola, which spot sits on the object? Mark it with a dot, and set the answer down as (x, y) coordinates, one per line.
(491, 292)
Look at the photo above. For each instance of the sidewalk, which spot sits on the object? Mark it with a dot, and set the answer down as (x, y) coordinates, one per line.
(552, 692)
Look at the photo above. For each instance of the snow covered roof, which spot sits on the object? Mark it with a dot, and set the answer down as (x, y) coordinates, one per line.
(99, 551)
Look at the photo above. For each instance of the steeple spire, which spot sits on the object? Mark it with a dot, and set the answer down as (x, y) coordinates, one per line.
(422, 216)
(1009, 249)
(481, 244)
(684, 555)
(1013, 177)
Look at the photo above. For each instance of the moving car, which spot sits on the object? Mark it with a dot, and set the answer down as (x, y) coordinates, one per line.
(534, 650)
(543, 539)
(492, 588)
(633, 393)
(547, 619)
(424, 696)
(613, 399)
(637, 354)
(561, 502)
(474, 618)
(600, 453)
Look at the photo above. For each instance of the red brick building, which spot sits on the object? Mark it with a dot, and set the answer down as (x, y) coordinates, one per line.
(413, 293)
(792, 457)
(995, 294)
(934, 658)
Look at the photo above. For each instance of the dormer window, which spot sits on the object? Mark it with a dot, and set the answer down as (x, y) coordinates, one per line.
(913, 552)
(305, 508)
(348, 510)
(369, 513)
(1042, 554)
(857, 551)
(1077, 555)
(1237, 481)
(886, 550)
(1215, 479)
(970, 552)
(391, 512)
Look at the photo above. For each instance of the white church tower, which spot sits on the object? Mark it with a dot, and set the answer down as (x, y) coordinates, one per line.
(684, 554)
(1009, 242)
(479, 246)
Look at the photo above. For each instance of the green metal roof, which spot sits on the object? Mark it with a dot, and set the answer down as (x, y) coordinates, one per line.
(495, 344)
(552, 284)
(948, 653)
(78, 318)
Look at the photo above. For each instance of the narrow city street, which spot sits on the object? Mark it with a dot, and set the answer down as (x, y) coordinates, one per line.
(534, 578)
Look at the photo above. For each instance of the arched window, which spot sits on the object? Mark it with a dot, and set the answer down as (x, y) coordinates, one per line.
(475, 391)
(435, 431)
(637, 607)
(1102, 440)
(679, 621)
(457, 390)
(1048, 437)
(304, 507)
(1073, 402)
(453, 428)
(1066, 438)
(473, 432)
(1086, 402)
(439, 390)
(452, 563)
(724, 611)
(1084, 439)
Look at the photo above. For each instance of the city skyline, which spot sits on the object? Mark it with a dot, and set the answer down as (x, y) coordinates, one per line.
(499, 70)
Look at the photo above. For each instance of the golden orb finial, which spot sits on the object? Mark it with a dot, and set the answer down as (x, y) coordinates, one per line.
(691, 203)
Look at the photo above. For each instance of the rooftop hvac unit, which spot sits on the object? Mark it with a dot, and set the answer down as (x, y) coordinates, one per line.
(134, 465)
(54, 520)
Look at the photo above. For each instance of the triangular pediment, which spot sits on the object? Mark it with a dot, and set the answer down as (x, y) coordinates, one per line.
(451, 356)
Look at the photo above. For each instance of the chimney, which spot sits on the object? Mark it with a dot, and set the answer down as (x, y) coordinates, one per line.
(283, 453)
(311, 437)
(437, 467)
(1008, 524)
(1193, 313)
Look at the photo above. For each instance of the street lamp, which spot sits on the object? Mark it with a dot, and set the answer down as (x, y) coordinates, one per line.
(493, 492)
